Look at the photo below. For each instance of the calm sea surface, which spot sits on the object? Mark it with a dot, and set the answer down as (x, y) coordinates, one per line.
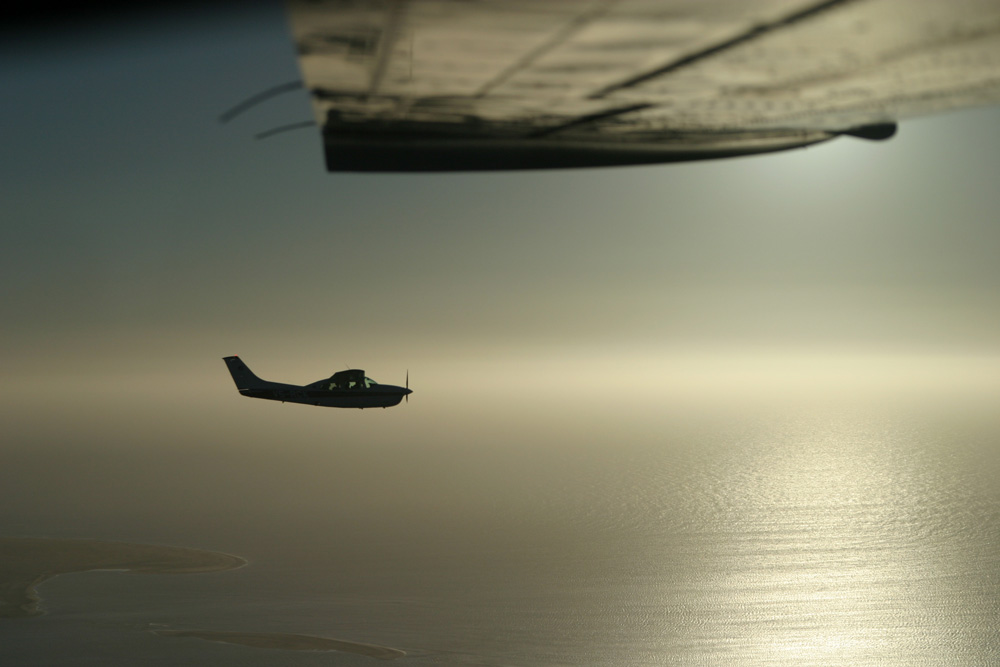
(807, 537)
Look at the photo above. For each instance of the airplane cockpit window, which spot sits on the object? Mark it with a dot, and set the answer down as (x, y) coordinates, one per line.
(349, 379)
(351, 384)
(370, 383)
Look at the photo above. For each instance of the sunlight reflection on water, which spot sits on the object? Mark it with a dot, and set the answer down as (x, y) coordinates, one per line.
(839, 542)
(825, 535)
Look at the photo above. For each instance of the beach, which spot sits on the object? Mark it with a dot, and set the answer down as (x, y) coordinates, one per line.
(27, 562)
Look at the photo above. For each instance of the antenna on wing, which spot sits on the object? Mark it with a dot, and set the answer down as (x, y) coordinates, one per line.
(258, 98)
(285, 128)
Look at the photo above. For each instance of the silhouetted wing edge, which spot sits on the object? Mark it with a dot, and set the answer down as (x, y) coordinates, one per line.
(439, 85)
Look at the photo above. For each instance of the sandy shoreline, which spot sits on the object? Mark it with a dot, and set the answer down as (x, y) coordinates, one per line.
(288, 642)
(27, 562)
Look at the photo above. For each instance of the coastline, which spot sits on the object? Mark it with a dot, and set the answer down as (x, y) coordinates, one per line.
(288, 642)
(26, 562)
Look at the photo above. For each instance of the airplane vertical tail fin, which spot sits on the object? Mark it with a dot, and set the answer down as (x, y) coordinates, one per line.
(242, 375)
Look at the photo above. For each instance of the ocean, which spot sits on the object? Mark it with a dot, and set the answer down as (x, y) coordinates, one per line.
(858, 532)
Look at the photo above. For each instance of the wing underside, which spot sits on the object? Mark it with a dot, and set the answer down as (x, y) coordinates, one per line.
(498, 84)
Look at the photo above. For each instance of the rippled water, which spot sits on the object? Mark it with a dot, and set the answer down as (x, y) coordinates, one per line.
(818, 537)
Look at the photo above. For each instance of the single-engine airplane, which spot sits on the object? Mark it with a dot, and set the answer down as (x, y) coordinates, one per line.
(345, 389)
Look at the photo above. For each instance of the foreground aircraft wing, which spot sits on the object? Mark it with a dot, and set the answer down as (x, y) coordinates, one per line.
(428, 85)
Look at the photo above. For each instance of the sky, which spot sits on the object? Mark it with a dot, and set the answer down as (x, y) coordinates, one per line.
(143, 241)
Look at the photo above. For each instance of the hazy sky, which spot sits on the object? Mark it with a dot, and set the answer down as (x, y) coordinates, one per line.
(143, 238)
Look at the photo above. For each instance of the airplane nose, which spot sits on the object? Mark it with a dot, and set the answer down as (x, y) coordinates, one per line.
(407, 391)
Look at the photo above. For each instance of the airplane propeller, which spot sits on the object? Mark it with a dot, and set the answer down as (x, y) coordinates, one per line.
(407, 384)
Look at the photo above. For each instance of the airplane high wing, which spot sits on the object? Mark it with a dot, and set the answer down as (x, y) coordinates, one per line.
(430, 85)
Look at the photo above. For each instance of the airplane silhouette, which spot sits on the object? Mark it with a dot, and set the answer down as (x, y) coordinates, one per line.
(345, 389)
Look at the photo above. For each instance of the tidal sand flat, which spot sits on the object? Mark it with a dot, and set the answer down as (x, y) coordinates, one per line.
(288, 642)
(27, 562)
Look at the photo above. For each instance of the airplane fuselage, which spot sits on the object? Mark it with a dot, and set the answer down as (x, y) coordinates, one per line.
(383, 396)
(345, 389)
